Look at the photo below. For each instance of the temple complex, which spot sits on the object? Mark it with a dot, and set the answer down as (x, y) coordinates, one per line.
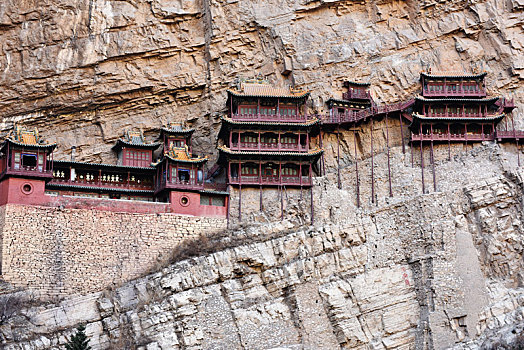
(174, 176)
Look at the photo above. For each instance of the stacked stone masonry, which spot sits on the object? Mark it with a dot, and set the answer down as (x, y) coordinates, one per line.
(64, 251)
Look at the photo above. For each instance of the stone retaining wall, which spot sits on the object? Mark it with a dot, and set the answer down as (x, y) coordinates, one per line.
(60, 251)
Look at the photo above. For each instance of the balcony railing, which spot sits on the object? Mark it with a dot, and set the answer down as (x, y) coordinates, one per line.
(454, 93)
(452, 137)
(270, 147)
(271, 180)
(510, 134)
(192, 184)
(115, 185)
(30, 171)
(356, 94)
(474, 115)
(297, 118)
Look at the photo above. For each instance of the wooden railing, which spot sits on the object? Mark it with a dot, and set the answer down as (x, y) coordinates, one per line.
(191, 184)
(355, 116)
(510, 134)
(474, 115)
(117, 185)
(452, 137)
(270, 180)
(455, 93)
(27, 171)
(298, 118)
(263, 146)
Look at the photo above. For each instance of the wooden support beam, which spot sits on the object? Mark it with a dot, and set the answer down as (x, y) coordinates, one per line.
(322, 163)
(227, 207)
(411, 147)
(449, 145)
(422, 161)
(433, 162)
(338, 158)
(312, 207)
(402, 134)
(261, 207)
(281, 203)
(240, 203)
(518, 153)
(387, 145)
(356, 167)
(372, 167)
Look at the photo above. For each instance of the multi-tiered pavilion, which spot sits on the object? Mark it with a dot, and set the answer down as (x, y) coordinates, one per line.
(454, 107)
(267, 135)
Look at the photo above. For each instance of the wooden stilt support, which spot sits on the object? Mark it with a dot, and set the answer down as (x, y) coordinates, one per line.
(518, 153)
(422, 161)
(261, 207)
(411, 147)
(338, 158)
(433, 168)
(389, 166)
(239, 203)
(402, 134)
(312, 207)
(281, 203)
(356, 167)
(372, 167)
(449, 145)
(227, 207)
(432, 155)
(322, 162)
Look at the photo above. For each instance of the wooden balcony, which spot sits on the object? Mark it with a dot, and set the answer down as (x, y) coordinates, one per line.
(463, 115)
(192, 185)
(452, 137)
(96, 184)
(355, 116)
(271, 180)
(23, 171)
(270, 118)
(356, 94)
(454, 93)
(268, 147)
(510, 135)
(349, 117)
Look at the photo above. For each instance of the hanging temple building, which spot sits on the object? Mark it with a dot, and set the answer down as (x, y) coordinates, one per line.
(267, 141)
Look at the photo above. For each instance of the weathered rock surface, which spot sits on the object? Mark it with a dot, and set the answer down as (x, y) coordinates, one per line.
(437, 270)
(423, 271)
(84, 70)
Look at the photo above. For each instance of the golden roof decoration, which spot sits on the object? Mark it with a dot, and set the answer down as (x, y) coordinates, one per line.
(182, 154)
(24, 136)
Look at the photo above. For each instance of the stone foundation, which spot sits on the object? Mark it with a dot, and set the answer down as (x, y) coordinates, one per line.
(70, 251)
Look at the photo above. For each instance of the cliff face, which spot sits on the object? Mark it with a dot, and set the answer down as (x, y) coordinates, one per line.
(418, 271)
(428, 271)
(84, 70)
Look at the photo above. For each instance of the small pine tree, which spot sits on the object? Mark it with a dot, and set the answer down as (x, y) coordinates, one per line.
(78, 341)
